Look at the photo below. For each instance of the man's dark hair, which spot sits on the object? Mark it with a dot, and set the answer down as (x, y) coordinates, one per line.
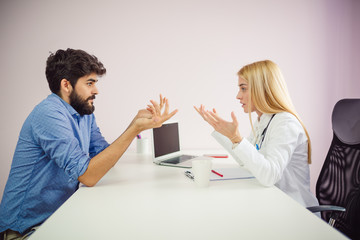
(71, 64)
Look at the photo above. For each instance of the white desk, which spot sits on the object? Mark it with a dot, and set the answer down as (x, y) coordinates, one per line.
(140, 200)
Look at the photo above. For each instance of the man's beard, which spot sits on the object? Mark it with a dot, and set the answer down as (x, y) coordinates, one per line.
(83, 107)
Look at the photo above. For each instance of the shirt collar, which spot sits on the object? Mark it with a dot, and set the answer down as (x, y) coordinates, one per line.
(264, 120)
(71, 110)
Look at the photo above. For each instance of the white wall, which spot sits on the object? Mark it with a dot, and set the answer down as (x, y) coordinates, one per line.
(189, 50)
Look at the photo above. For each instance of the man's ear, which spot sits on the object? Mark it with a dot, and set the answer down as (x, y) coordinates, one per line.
(65, 90)
(65, 86)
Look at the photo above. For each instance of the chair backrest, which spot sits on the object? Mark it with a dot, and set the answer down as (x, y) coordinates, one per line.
(339, 179)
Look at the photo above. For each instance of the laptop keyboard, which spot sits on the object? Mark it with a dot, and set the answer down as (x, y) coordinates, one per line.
(179, 159)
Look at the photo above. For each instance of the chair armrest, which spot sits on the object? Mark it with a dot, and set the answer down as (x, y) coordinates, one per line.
(322, 208)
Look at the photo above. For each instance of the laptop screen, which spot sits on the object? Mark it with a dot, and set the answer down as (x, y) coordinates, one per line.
(166, 139)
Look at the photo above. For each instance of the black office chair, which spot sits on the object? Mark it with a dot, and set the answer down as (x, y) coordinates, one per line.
(338, 184)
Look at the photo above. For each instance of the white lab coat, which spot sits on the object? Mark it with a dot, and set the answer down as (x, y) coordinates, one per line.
(282, 158)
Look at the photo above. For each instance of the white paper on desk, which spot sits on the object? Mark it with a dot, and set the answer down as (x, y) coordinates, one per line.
(230, 173)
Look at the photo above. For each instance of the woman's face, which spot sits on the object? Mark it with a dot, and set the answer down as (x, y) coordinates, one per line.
(243, 96)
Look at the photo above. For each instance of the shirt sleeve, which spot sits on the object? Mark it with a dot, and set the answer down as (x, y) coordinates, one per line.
(97, 141)
(53, 131)
(268, 164)
(227, 144)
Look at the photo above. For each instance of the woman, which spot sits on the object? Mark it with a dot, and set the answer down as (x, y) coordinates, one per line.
(278, 151)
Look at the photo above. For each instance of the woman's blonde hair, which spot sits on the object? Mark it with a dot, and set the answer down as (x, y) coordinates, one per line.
(268, 91)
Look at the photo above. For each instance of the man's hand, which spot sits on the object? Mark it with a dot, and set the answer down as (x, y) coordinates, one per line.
(153, 117)
(228, 129)
(143, 113)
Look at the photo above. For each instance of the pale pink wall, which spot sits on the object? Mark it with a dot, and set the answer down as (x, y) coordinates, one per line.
(188, 50)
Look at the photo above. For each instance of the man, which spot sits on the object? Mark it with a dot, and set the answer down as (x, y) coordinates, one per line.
(61, 146)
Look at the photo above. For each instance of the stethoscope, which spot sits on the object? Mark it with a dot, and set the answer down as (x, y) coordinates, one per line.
(258, 146)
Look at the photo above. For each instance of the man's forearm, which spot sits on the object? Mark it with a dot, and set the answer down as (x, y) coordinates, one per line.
(104, 161)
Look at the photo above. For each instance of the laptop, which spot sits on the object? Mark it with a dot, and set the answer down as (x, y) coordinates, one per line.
(166, 147)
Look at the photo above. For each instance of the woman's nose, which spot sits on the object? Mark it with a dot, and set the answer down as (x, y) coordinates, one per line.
(239, 95)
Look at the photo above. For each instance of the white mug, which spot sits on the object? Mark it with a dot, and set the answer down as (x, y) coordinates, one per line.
(201, 169)
(142, 146)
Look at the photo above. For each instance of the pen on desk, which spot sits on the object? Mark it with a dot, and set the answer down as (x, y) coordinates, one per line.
(189, 175)
(138, 136)
(217, 173)
(216, 155)
(257, 147)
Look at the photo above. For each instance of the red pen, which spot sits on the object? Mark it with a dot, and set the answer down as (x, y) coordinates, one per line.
(217, 173)
(216, 155)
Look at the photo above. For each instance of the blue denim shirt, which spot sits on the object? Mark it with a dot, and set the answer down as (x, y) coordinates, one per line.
(54, 148)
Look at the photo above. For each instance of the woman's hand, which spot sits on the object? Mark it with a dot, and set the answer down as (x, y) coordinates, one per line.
(228, 129)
